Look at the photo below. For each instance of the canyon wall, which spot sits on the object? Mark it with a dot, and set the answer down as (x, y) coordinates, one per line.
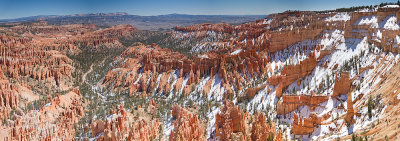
(291, 73)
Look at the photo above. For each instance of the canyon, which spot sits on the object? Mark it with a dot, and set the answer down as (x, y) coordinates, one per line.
(296, 75)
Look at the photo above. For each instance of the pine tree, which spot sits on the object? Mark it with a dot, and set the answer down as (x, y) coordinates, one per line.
(353, 137)
(369, 107)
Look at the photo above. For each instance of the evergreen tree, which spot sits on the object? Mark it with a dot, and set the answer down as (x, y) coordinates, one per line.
(370, 107)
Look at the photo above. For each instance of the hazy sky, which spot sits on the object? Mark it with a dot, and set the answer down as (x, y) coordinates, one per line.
(24, 8)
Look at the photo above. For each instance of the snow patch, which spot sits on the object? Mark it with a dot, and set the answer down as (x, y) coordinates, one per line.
(398, 96)
(236, 52)
(390, 22)
(344, 16)
(368, 20)
(391, 6)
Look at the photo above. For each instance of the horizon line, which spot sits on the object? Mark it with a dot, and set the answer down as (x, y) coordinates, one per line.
(59, 15)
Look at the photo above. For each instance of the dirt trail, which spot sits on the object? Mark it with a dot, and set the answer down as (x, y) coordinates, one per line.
(89, 71)
(85, 74)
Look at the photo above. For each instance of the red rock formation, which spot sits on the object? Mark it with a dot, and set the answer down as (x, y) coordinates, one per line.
(37, 64)
(282, 39)
(291, 27)
(302, 126)
(43, 57)
(144, 130)
(230, 122)
(42, 125)
(341, 86)
(9, 98)
(292, 102)
(102, 38)
(350, 110)
(97, 127)
(155, 60)
(256, 32)
(292, 73)
(251, 92)
(261, 130)
(220, 27)
(186, 126)
(124, 126)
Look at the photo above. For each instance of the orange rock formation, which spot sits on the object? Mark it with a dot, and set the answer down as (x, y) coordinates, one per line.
(124, 126)
(342, 86)
(292, 102)
(230, 121)
(186, 126)
(261, 130)
(41, 125)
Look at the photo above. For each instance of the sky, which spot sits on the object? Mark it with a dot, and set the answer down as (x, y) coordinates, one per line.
(10, 9)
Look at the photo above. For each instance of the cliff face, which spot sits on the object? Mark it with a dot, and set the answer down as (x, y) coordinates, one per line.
(145, 63)
(220, 27)
(291, 73)
(104, 38)
(65, 38)
(291, 27)
(282, 39)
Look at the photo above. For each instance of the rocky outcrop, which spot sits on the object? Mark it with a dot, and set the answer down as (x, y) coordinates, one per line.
(251, 92)
(292, 73)
(291, 27)
(290, 103)
(144, 130)
(104, 38)
(220, 27)
(9, 98)
(302, 126)
(342, 85)
(230, 122)
(38, 125)
(186, 126)
(262, 131)
(145, 63)
(350, 110)
(123, 125)
(282, 39)
(37, 64)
